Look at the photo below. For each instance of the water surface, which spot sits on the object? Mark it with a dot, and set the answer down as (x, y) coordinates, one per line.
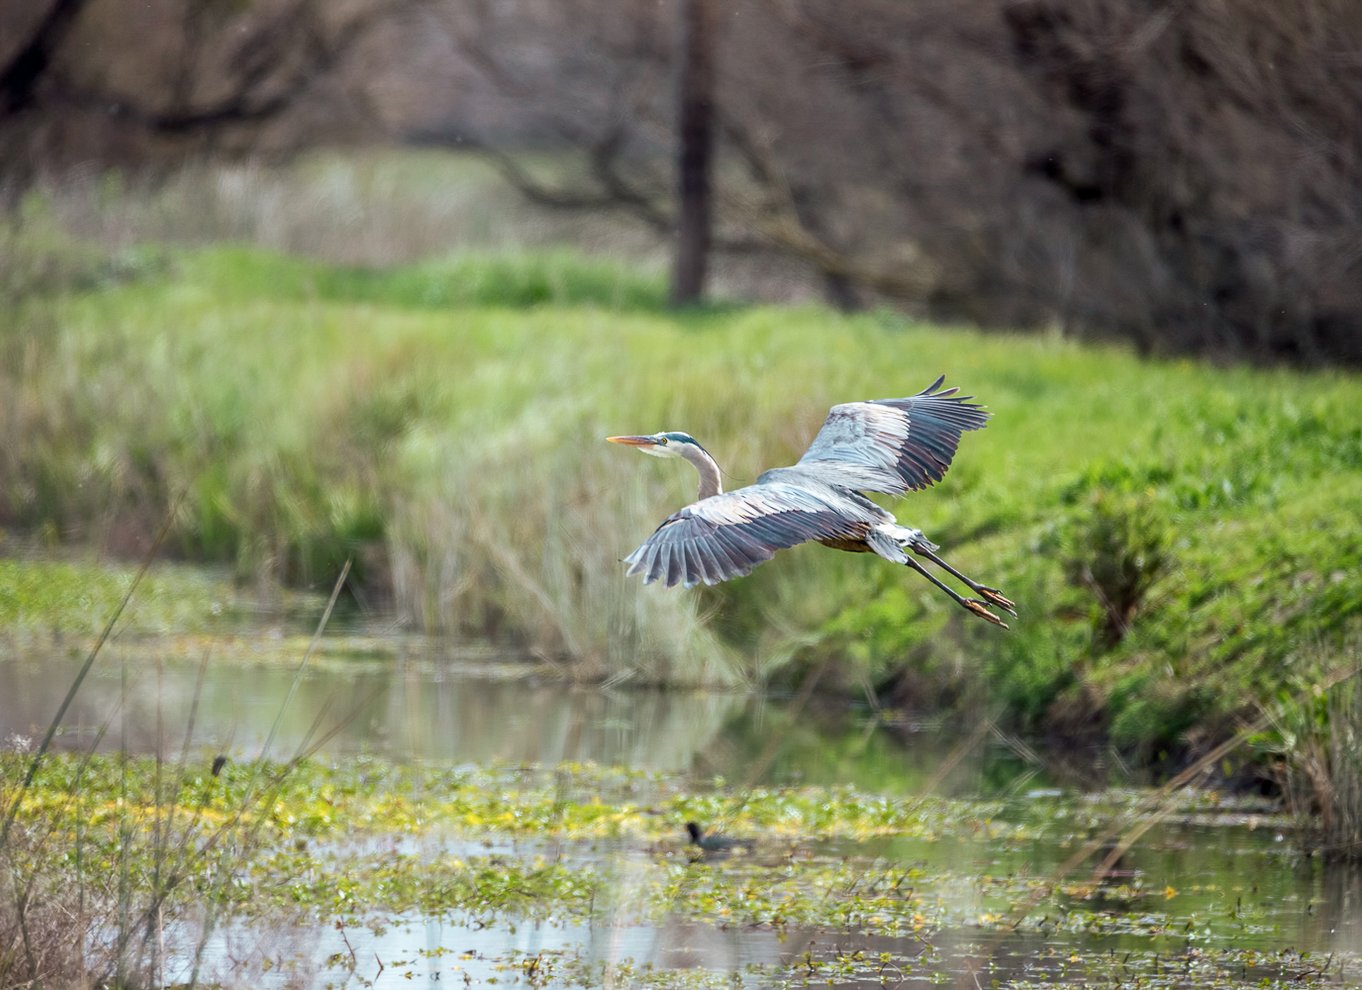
(1182, 908)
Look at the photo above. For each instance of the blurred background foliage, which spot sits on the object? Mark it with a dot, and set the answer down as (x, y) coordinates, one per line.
(1183, 176)
(370, 279)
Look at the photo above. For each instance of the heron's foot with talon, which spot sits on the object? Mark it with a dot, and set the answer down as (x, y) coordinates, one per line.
(995, 597)
(981, 609)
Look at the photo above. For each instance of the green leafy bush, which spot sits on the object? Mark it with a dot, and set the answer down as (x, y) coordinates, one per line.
(1117, 548)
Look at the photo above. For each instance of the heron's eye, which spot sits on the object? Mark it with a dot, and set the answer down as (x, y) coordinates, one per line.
(662, 440)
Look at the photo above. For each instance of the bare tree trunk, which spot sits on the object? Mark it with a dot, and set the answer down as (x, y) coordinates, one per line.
(695, 147)
(21, 76)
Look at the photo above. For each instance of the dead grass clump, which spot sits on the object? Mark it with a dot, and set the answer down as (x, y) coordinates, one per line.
(1318, 740)
(42, 933)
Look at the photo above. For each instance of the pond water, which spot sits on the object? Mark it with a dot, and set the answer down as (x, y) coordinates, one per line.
(1213, 895)
(416, 699)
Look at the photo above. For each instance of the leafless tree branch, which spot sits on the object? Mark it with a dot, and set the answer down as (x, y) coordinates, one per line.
(20, 77)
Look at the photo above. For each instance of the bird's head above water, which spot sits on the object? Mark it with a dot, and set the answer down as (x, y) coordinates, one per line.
(671, 444)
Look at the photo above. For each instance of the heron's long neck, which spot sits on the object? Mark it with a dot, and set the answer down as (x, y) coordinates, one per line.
(709, 471)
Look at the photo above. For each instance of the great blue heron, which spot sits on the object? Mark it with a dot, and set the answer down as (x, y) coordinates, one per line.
(884, 445)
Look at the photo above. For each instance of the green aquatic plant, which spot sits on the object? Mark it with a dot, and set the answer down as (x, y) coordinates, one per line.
(365, 843)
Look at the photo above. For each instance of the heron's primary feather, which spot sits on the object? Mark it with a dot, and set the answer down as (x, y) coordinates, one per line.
(727, 535)
(892, 445)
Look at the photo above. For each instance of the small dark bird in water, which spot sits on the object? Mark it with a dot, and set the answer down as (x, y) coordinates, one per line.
(883, 445)
(714, 843)
(219, 762)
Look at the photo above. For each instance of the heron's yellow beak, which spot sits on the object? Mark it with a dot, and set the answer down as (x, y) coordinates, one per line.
(634, 441)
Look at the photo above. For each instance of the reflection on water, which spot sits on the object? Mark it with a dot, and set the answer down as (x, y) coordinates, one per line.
(428, 705)
(435, 709)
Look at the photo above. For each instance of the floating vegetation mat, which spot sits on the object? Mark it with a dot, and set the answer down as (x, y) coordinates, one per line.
(579, 875)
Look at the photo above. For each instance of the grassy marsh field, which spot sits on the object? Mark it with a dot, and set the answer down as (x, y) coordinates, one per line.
(1179, 536)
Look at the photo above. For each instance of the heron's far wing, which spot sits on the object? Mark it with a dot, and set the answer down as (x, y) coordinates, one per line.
(892, 445)
(727, 535)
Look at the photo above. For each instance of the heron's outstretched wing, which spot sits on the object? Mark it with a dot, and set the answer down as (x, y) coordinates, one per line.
(727, 535)
(892, 445)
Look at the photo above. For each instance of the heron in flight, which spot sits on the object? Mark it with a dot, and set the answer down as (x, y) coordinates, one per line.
(884, 445)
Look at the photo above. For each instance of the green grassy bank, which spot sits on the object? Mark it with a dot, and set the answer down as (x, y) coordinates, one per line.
(1181, 540)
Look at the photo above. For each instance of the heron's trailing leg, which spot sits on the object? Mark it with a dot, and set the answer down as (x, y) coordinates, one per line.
(994, 596)
(973, 604)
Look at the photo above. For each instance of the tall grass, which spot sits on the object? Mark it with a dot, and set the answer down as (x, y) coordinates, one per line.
(357, 208)
(1316, 743)
(442, 423)
(90, 887)
(374, 207)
